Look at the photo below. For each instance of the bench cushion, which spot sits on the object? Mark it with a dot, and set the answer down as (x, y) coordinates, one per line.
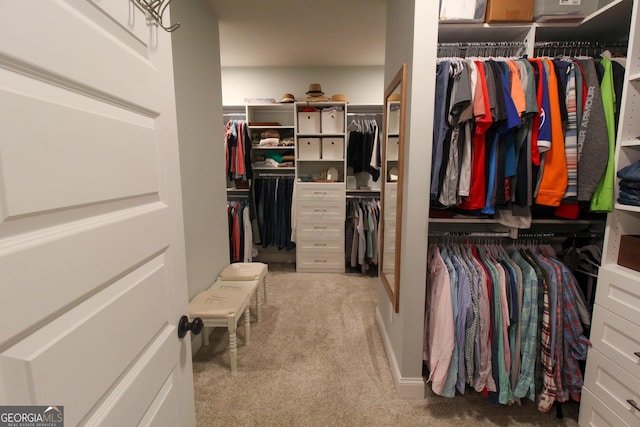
(244, 271)
(217, 303)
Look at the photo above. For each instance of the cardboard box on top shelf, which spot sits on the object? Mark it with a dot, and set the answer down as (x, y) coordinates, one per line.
(509, 11)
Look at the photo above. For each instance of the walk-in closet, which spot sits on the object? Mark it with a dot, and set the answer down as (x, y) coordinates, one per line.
(475, 173)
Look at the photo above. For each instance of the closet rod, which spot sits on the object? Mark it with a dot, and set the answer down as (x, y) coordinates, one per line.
(470, 234)
(363, 196)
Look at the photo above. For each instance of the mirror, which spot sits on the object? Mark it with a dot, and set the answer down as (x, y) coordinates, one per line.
(391, 192)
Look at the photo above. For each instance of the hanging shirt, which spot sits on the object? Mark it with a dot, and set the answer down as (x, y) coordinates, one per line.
(602, 199)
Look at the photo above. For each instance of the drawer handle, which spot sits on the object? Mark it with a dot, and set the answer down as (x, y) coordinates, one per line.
(637, 353)
(319, 210)
(319, 260)
(320, 193)
(320, 244)
(634, 404)
(320, 227)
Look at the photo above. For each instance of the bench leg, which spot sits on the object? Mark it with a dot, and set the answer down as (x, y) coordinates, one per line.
(233, 345)
(247, 325)
(258, 304)
(264, 288)
(205, 336)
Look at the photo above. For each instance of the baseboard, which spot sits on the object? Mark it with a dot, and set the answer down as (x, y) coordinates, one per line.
(408, 388)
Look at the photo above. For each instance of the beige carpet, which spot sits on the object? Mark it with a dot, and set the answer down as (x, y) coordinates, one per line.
(317, 359)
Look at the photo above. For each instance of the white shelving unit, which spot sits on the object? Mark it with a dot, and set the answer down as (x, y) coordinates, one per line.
(320, 187)
(278, 117)
(611, 392)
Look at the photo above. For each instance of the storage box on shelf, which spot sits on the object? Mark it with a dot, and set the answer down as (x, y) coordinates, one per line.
(563, 10)
(509, 11)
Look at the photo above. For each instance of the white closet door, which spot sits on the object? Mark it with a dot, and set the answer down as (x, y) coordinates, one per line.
(92, 258)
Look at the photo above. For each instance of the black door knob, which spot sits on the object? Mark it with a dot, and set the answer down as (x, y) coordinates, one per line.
(194, 326)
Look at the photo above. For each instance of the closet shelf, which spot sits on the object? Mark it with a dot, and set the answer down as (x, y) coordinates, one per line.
(270, 127)
(634, 78)
(628, 208)
(320, 135)
(631, 143)
(495, 221)
(275, 147)
(273, 169)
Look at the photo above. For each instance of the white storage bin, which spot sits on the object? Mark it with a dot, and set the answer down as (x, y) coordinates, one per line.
(309, 122)
(309, 148)
(332, 121)
(393, 120)
(462, 11)
(392, 148)
(332, 148)
(563, 10)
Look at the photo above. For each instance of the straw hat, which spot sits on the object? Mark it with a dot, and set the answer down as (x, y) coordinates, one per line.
(287, 97)
(315, 93)
(394, 97)
(315, 89)
(339, 97)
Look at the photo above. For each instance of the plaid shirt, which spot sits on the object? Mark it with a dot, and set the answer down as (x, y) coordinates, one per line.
(575, 344)
(525, 386)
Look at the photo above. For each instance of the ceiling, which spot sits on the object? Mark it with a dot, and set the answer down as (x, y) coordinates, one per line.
(301, 32)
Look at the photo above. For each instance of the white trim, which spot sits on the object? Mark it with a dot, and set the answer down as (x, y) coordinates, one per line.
(408, 388)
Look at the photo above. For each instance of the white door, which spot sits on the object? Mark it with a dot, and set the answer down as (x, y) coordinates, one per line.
(92, 268)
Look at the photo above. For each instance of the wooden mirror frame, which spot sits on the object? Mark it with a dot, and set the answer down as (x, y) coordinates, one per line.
(391, 283)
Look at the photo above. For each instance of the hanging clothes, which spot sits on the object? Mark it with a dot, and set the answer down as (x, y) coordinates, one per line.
(361, 231)
(237, 145)
(508, 320)
(273, 200)
(511, 134)
(240, 232)
(363, 148)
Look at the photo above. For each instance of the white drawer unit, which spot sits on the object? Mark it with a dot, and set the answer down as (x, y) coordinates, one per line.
(596, 414)
(614, 386)
(617, 338)
(320, 262)
(619, 291)
(320, 191)
(320, 212)
(320, 221)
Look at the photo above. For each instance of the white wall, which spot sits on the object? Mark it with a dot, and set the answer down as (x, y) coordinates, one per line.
(362, 85)
(412, 33)
(196, 63)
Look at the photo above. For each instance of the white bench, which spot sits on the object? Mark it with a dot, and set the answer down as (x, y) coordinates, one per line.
(243, 271)
(223, 306)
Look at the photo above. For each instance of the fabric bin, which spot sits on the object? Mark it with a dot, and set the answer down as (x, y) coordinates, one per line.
(563, 10)
(392, 148)
(332, 148)
(309, 149)
(309, 122)
(393, 120)
(332, 121)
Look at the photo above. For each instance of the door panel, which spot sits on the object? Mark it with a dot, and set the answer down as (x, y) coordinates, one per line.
(92, 255)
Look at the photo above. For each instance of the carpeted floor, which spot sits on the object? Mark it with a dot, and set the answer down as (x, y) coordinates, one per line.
(317, 359)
